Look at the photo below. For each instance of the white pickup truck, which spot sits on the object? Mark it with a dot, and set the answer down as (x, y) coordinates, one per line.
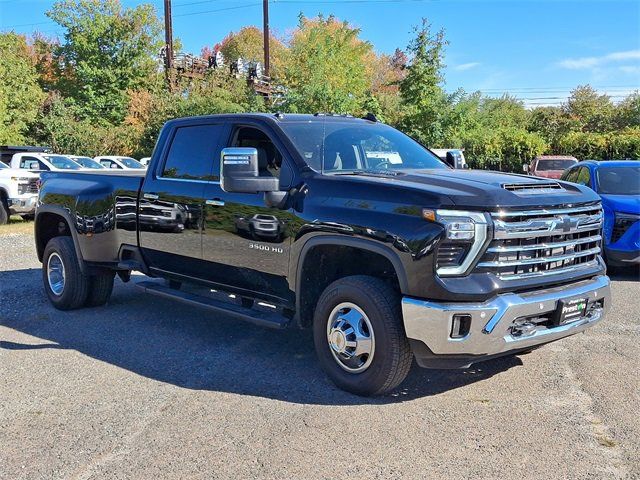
(18, 193)
(43, 162)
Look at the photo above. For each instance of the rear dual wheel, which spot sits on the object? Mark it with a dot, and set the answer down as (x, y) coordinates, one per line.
(359, 336)
(65, 284)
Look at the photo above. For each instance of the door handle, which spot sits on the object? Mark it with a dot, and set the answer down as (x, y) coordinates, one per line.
(151, 196)
(216, 202)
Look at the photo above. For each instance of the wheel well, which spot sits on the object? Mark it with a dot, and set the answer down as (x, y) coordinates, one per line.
(324, 264)
(48, 226)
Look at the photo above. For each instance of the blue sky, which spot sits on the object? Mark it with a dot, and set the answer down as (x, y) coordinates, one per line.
(536, 50)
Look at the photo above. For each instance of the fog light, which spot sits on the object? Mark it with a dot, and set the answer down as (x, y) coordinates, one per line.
(461, 325)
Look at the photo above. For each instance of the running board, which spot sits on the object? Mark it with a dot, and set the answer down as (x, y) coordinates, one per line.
(263, 319)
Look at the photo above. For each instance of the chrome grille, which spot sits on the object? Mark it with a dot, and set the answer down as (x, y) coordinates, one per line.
(33, 185)
(543, 242)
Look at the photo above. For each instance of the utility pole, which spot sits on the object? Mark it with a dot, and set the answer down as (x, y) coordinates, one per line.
(265, 28)
(168, 38)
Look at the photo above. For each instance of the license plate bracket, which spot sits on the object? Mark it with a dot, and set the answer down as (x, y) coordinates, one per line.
(570, 310)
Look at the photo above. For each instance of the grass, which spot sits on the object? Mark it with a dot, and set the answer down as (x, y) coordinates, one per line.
(16, 225)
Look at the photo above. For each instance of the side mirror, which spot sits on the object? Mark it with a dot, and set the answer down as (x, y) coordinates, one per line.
(239, 172)
(525, 168)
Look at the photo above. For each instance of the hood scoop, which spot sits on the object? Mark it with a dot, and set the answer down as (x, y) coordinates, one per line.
(536, 188)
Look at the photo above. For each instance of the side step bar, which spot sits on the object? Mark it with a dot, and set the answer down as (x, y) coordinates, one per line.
(263, 319)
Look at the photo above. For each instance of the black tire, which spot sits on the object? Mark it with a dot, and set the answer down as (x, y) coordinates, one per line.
(100, 288)
(4, 211)
(76, 285)
(392, 357)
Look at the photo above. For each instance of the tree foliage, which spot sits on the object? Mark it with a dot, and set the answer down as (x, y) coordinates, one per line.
(248, 44)
(107, 51)
(422, 96)
(20, 93)
(328, 67)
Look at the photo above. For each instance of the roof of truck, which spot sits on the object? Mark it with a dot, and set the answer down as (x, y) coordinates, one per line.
(555, 157)
(286, 117)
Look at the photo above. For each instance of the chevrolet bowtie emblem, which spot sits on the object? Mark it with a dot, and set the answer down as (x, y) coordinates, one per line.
(565, 223)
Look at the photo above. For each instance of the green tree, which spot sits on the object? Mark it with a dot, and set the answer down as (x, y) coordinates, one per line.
(328, 68)
(107, 51)
(248, 44)
(423, 98)
(627, 112)
(590, 111)
(20, 94)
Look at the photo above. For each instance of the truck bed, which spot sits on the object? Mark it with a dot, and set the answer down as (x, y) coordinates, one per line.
(101, 206)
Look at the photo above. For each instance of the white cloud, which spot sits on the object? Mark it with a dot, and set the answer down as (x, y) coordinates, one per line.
(632, 69)
(466, 66)
(594, 62)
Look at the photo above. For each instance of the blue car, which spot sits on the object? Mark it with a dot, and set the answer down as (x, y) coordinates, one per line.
(618, 184)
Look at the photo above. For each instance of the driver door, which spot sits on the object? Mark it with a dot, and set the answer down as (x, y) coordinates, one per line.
(246, 244)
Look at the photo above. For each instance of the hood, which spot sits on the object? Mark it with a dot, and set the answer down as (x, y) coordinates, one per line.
(487, 190)
(17, 172)
(622, 203)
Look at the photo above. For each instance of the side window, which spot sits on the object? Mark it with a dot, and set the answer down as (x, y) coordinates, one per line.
(32, 163)
(194, 153)
(566, 175)
(269, 157)
(584, 177)
(571, 175)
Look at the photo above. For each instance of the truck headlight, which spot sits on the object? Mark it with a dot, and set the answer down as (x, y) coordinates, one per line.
(465, 235)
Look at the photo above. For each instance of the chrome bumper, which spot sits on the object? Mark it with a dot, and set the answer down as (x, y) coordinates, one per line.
(492, 323)
(24, 205)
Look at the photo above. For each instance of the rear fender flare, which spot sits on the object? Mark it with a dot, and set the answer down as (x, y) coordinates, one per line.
(61, 212)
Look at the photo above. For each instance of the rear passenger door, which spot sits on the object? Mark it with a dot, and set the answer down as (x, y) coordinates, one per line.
(172, 200)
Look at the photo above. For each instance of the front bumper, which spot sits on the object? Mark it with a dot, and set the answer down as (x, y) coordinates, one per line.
(495, 324)
(23, 204)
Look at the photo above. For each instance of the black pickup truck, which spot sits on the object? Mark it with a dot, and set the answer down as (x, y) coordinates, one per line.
(343, 225)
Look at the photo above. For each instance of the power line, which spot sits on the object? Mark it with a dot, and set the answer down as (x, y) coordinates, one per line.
(237, 7)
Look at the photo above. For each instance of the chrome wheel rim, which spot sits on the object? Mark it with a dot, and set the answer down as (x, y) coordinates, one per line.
(350, 337)
(55, 274)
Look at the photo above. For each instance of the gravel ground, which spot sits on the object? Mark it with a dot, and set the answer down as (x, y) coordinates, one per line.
(146, 388)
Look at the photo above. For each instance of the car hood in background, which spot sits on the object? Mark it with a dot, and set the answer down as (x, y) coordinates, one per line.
(622, 203)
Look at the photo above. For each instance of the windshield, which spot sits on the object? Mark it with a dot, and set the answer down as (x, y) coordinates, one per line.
(619, 180)
(2, 165)
(88, 162)
(335, 147)
(62, 162)
(131, 162)
(544, 165)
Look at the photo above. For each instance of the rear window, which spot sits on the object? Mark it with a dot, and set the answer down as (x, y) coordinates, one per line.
(551, 164)
(194, 153)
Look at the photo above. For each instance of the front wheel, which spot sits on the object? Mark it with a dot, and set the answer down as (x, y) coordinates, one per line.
(359, 336)
(4, 211)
